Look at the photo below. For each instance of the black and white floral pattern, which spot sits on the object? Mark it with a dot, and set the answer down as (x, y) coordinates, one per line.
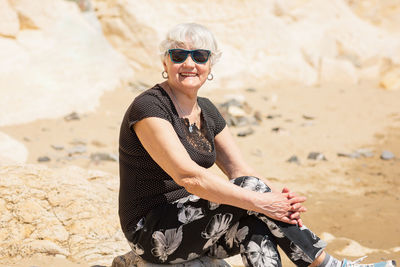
(189, 214)
(166, 244)
(218, 251)
(235, 235)
(262, 255)
(254, 184)
(191, 198)
(136, 248)
(298, 254)
(216, 227)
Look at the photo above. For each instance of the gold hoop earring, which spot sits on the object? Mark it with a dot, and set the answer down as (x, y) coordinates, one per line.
(210, 76)
(164, 74)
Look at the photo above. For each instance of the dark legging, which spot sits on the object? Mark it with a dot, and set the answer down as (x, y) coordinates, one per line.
(192, 227)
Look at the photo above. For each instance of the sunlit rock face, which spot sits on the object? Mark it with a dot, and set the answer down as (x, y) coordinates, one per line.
(306, 41)
(67, 212)
(53, 59)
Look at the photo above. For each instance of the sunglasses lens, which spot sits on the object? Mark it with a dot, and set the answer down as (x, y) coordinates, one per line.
(201, 56)
(178, 55)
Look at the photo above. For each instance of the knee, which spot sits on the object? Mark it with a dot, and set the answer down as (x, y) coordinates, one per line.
(251, 183)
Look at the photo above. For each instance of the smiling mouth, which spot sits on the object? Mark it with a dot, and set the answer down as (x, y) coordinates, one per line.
(187, 74)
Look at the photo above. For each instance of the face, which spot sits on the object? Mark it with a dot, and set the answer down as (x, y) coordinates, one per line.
(187, 76)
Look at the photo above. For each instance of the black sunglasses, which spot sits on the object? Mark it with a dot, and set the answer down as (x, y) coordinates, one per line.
(200, 56)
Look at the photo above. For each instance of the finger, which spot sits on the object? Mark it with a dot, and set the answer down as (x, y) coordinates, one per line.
(297, 200)
(295, 216)
(285, 190)
(288, 220)
(300, 222)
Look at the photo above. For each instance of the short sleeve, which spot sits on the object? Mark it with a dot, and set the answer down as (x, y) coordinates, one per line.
(216, 120)
(146, 106)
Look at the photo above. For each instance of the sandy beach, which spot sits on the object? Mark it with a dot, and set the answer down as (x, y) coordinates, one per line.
(353, 203)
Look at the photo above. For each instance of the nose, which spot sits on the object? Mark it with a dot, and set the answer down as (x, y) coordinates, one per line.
(189, 61)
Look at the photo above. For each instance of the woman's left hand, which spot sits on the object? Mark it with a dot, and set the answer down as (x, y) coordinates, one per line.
(297, 207)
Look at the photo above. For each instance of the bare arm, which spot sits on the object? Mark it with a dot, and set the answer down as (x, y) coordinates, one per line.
(231, 161)
(161, 142)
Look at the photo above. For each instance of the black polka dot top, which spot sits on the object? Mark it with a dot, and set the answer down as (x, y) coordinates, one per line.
(144, 185)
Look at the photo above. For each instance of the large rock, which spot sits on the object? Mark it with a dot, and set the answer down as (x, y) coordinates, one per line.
(11, 151)
(67, 212)
(310, 42)
(57, 62)
(9, 25)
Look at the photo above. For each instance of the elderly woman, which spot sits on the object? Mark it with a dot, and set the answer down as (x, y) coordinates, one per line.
(172, 208)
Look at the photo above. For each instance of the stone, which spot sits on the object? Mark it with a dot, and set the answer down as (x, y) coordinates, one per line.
(390, 80)
(9, 25)
(72, 116)
(103, 156)
(57, 147)
(43, 159)
(130, 260)
(293, 159)
(387, 155)
(68, 212)
(353, 155)
(12, 151)
(60, 57)
(79, 149)
(245, 132)
(316, 156)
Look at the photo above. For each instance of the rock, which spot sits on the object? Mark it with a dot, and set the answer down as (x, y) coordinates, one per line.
(130, 260)
(59, 56)
(273, 116)
(103, 156)
(245, 132)
(316, 156)
(43, 159)
(9, 25)
(80, 149)
(12, 151)
(258, 116)
(353, 155)
(63, 212)
(308, 117)
(365, 152)
(387, 155)
(391, 79)
(293, 159)
(57, 147)
(72, 116)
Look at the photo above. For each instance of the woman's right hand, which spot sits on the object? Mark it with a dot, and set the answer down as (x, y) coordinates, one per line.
(279, 206)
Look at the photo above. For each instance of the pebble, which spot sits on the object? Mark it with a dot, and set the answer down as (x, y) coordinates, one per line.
(72, 116)
(251, 90)
(294, 159)
(80, 149)
(43, 159)
(57, 147)
(273, 116)
(246, 132)
(316, 156)
(308, 117)
(103, 156)
(258, 116)
(353, 155)
(387, 155)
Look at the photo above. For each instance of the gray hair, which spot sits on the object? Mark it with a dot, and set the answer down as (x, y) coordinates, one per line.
(194, 35)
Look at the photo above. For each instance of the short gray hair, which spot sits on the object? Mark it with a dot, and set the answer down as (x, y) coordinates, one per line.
(193, 34)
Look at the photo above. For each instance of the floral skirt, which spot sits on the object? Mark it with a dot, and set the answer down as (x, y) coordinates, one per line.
(192, 227)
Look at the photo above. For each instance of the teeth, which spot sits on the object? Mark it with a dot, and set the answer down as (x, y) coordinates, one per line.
(188, 74)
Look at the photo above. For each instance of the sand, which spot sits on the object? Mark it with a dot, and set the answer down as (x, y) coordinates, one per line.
(353, 203)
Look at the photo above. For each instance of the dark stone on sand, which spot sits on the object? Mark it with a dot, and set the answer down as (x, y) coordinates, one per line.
(72, 116)
(43, 159)
(308, 117)
(293, 159)
(387, 155)
(57, 147)
(316, 156)
(245, 132)
(251, 90)
(273, 116)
